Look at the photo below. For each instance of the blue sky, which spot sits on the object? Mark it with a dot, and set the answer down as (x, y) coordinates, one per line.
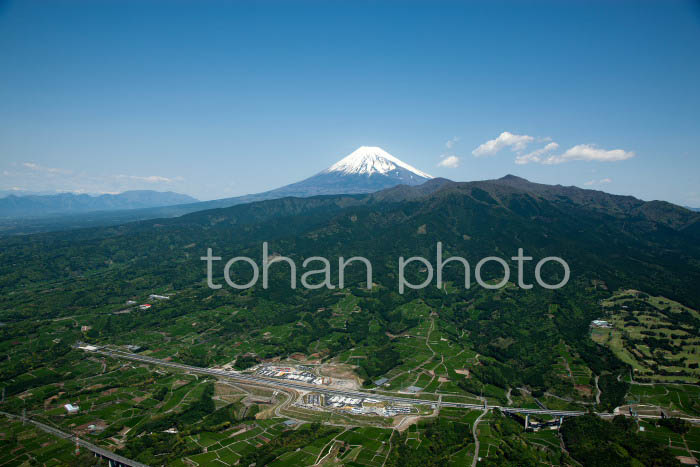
(218, 99)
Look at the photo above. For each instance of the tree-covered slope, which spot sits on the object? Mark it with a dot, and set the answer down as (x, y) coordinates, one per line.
(608, 241)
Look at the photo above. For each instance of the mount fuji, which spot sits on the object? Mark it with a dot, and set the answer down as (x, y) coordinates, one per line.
(365, 170)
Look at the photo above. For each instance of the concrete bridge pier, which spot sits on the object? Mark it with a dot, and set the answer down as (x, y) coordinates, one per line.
(111, 462)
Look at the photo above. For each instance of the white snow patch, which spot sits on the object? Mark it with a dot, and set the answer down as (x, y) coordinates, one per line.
(369, 160)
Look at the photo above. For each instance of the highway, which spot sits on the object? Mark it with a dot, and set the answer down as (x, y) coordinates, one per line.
(280, 383)
(114, 459)
(259, 380)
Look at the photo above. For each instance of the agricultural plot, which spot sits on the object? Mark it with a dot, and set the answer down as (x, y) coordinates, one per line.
(573, 370)
(117, 399)
(488, 439)
(365, 446)
(674, 441)
(227, 447)
(523, 399)
(448, 435)
(682, 397)
(656, 336)
(548, 439)
(341, 311)
(499, 433)
(431, 360)
(692, 440)
(24, 444)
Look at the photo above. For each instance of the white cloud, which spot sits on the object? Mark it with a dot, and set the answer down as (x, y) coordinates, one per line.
(150, 178)
(505, 139)
(602, 181)
(580, 152)
(450, 161)
(536, 155)
(41, 168)
(33, 176)
(588, 152)
(154, 179)
(450, 144)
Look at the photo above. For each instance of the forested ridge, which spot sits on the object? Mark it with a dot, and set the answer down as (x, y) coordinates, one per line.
(85, 277)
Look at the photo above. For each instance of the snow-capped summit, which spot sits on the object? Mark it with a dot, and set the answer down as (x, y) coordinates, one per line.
(369, 160)
(365, 170)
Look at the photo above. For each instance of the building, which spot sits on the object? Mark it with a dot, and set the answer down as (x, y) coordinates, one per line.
(396, 410)
(145, 306)
(344, 402)
(600, 323)
(158, 297)
(70, 408)
(381, 381)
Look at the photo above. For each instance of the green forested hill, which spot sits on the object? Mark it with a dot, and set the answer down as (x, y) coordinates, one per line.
(608, 240)
(620, 240)
(65, 287)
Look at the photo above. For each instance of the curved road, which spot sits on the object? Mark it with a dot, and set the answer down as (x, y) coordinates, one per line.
(241, 377)
(476, 438)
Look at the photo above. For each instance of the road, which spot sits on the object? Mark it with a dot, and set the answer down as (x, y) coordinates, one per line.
(476, 437)
(260, 380)
(104, 453)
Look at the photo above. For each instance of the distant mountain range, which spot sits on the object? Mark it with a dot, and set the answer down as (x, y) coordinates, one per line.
(365, 170)
(29, 206)
(20, 192)
(620, 240)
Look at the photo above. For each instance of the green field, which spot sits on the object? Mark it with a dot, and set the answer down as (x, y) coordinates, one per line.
(656, 336)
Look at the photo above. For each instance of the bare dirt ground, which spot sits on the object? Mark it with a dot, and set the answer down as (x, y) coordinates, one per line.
(404, 421)
(342, 376)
